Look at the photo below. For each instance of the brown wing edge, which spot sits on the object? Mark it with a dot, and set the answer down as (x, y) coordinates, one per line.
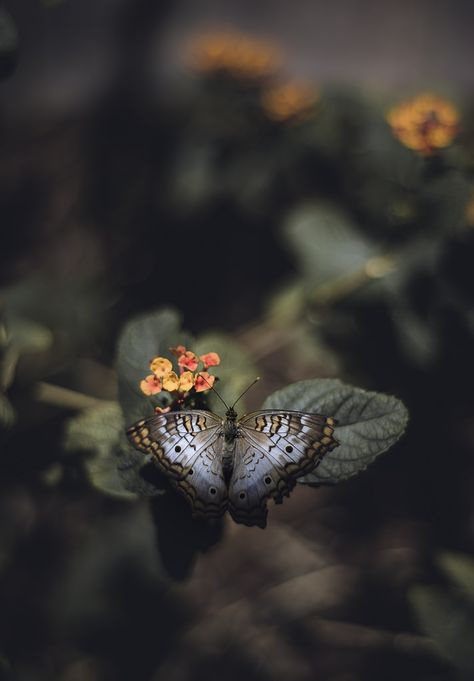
(313, 457)
(140, 438)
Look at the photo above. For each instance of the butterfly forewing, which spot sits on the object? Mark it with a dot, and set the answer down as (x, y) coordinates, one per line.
(275, 448)
(186, 447)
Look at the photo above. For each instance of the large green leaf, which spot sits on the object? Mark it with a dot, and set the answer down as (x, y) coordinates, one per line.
(142, 339)
(111, 464)
(325, 242)
(368, 423)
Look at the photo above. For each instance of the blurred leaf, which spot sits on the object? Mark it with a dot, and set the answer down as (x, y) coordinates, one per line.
(445, 199)
(325, 242)
(460, 569)
(7, 413)
(98, 432)
(142, 339)
(417, 337)
(368, 423)
(18, 337)
(8, 44)
(195, 180)
(236, 370)
(76, 316)
(448, 619)
(287, 305)
(111, 576)
(21, 337)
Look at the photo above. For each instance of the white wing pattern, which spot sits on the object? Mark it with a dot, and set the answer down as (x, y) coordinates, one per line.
(186, 447)
(276, 449)
(270, 450)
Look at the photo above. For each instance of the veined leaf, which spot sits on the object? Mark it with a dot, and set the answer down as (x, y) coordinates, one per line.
(368, 423)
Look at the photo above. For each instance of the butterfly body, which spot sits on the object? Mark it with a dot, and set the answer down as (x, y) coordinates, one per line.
(235, 464)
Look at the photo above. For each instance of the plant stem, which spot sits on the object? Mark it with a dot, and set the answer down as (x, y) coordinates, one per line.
(64, 397)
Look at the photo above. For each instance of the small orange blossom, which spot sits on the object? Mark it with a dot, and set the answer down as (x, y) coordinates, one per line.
(237, 54)
(203, 381)
(425, 123)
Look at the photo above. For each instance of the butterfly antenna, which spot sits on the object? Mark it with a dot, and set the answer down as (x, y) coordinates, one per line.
(212, 388)
(245, 391)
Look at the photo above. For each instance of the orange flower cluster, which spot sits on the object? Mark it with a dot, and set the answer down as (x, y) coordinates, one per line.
(425, 123)
(234, 53)
(163, 377)
(291, 101)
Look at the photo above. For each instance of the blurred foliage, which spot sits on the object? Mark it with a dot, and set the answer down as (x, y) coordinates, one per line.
(312, 242)
(19, 337)
(447, 614)
(8, 44)
(99, 432)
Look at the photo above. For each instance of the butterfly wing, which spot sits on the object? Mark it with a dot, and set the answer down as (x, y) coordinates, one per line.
(186, 445)
(274, 449)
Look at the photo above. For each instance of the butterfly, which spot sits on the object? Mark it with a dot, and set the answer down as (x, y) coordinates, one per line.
(234, 464)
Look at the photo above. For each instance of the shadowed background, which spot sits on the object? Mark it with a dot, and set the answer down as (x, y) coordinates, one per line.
(310, 245)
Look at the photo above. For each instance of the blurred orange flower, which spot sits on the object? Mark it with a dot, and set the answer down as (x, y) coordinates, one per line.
(235, 53)
(425, 123)
(151, 385)
(203, 381)
(289, 101)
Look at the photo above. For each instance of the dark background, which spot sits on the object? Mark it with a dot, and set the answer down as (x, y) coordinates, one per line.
(129, 182)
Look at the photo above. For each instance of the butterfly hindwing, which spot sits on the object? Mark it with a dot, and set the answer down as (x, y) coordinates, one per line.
(186, 446)
(274, 449)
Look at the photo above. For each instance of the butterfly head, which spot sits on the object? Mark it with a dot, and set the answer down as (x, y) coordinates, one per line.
(231, 414)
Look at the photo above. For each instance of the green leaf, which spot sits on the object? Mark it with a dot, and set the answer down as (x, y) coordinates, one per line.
(142, 339)
(112, 465)
(368, 423)
(236, 370)
(460, 569)
(325, 242)
(447, 618)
